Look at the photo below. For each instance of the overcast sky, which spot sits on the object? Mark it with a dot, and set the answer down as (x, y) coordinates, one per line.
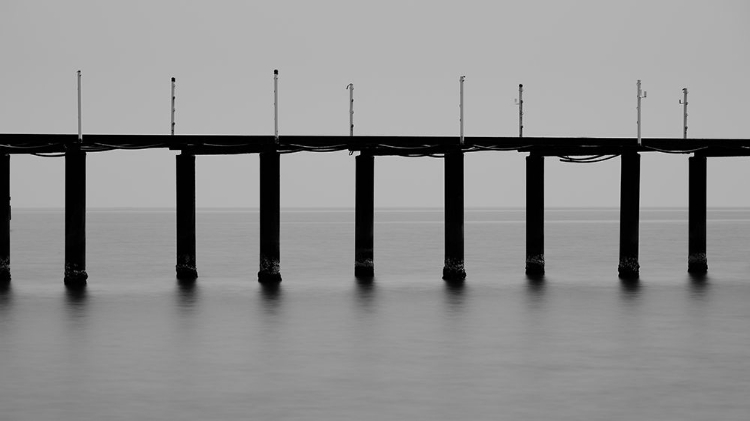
(578, 61)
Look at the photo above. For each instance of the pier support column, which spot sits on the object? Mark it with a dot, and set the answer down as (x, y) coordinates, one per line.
(630, 177)
(535, 215)
(4, 218)
(364, 211)
(697, 262)
(269, 218)
(185, 182)
(454, 217)
(75, 217)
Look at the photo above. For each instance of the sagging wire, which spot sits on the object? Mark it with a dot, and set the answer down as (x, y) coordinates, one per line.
(220, 145)
(401, 147)
(48, 155)
(131, 146)
(587, 160)
(48, 145)
(686, 151)
(299, 148)
(418, 155)
(494, 148)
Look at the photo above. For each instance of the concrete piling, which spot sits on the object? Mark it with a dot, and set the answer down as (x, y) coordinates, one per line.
(535, 215)
(454, 270)
(697, 262)
(269, 217)
(4, 218)
(364, 215)
(185, 198)
(630, 165)
(75, 217)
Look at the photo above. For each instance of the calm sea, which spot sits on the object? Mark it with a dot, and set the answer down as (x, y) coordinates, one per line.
(137, 345)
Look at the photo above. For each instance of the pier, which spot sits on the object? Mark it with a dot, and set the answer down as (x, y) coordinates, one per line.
(367, 148)
(452, 149)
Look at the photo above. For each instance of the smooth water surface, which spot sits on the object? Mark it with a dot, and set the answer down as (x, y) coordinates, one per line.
(578, 344)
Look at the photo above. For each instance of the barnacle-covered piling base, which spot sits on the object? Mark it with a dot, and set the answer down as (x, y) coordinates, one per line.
(364, 268)
(628, 268)
(75, 277)
(269, 272)
(535, 265)
(454, 270)
(697, 263)
(186, 272)
(4, 271)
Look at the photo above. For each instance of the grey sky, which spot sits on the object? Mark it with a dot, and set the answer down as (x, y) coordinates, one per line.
(578, 61)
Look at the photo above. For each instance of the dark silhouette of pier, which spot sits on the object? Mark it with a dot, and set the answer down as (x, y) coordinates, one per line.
(574, 149)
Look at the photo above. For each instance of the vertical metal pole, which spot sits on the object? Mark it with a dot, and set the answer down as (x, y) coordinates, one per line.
(461, 107)
(684, 103)
(641, 94)
(4, 218)
(276, 105)
(520, 110)
(697, 260)
(80, 132)
(172, 109)
(351, 109)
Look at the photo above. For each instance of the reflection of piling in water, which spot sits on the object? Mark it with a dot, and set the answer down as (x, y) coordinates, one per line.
(630, 287)
(187, 293)
(455, 295)
(75, 217)
(5, 291)
(271, 295)
(364, 215)
(365, 293)
(699, 285)
(535, 288)
(4, 219)
(76, 297)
